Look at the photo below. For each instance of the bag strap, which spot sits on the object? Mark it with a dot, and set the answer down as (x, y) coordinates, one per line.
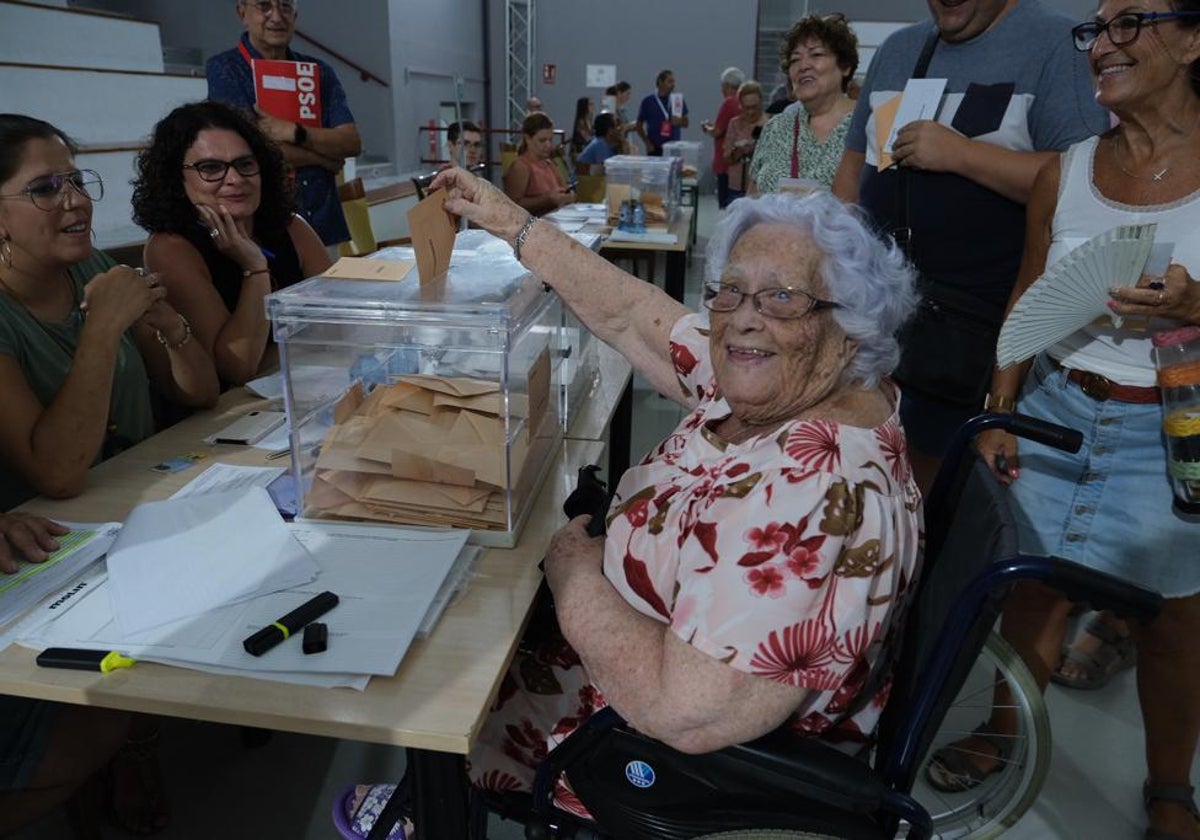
(902, 233)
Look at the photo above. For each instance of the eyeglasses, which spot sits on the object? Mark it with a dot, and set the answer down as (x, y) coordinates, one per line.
(477, 144)
(286, 8)
(47, 192)
(215, 170)
(1123, 29)
(784, 302)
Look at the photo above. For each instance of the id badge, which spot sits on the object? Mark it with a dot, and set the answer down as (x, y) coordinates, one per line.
(664, 129)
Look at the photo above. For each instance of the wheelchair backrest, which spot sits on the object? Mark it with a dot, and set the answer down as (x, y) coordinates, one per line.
(969, 529)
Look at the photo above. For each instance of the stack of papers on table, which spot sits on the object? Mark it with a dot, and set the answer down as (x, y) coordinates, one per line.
(390, 582)
(78, 549)
(650, 237)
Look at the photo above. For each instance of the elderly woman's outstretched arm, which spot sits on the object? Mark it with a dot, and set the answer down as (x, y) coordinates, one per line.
(633, 316)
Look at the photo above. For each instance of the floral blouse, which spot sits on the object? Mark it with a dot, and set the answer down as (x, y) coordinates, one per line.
(773, 155)
(783, 556)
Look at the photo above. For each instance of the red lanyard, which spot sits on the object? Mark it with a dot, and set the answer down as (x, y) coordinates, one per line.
(245, 53)
(796, 146)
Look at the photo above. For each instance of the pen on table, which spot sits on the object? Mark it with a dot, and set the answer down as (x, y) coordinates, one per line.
(293, 622)
(83, 660)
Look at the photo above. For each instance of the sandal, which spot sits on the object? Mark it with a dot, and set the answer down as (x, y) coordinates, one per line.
(952, 770)
(1115, 653)
(1180, 795)
(357, 807)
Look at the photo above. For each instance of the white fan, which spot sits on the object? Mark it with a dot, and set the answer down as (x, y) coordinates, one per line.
(1074, 292)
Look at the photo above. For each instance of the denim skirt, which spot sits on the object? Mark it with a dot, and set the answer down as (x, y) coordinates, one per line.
(1107, 506)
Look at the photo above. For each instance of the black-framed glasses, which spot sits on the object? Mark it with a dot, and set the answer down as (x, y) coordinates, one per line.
(46, 192)
(1122, 29)
(211, 169)
(783, 302)
(286, 8)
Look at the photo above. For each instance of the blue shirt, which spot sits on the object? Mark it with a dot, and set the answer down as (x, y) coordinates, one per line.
(596, 151)
(654, 111)
(231, 81)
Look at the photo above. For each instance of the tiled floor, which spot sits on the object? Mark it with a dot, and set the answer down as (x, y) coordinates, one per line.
(284, 790)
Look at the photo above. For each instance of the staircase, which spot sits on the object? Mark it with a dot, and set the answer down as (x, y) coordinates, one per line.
(100, 78)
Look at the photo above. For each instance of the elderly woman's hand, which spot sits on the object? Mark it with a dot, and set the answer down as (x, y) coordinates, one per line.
(481, 203)
(27, 536)
(1175, 295)
(572, 553)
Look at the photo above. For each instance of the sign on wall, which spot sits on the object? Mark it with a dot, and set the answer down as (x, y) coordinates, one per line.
(601, 75)
(549, 73)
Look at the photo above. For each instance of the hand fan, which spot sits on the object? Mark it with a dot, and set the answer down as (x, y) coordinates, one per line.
(1074, 292)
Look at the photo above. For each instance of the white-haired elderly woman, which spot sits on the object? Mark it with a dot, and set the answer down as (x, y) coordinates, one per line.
(755, 559)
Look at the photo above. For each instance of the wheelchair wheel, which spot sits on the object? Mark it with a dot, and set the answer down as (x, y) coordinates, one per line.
(986, 811)
(766, 834)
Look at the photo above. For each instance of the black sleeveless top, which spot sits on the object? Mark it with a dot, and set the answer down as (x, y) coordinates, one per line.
(277, 247)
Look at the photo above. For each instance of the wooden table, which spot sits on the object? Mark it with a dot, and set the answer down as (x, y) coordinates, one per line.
(434, 705)
(676, 253)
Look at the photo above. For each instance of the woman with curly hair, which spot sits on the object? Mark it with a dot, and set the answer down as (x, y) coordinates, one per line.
(213, 193)
(819, 55)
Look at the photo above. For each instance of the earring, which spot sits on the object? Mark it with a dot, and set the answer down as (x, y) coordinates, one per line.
(6, 251)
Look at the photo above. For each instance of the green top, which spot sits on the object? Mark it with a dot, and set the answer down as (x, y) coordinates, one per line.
(45, 352)
(773, 154)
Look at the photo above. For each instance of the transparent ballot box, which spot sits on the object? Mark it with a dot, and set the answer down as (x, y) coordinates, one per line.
(436, 404)
(688, 150)
(655, 182)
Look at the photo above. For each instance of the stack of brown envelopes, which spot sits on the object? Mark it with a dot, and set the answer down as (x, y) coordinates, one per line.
(426, 450)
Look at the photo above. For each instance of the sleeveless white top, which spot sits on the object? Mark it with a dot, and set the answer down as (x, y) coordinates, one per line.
(1123, 355)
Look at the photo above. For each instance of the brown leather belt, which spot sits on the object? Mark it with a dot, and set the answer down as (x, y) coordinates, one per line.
(1102, 388)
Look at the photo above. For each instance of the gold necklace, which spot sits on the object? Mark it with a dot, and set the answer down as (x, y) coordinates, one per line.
(1157, 176)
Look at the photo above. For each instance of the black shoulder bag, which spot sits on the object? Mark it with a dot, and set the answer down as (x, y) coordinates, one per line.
(948, 348)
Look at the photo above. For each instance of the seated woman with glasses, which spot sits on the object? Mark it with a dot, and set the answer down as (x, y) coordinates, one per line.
(81, 338)
(82, 341)
(756, 559)
(212, 191)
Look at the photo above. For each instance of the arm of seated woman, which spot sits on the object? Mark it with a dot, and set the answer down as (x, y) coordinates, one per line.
(314, 259)
(235, 340)
(663, 686)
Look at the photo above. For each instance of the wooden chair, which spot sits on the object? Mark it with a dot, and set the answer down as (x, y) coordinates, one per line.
(358, 218)
(589, 188)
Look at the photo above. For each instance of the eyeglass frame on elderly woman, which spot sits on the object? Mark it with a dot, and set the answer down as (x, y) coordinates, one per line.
(1096, 28)
(285, 8)
(78, 180)
(709, 294)
(239, 165)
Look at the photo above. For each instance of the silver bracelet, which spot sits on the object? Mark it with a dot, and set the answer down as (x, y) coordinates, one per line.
(187, 335)
(522, 236)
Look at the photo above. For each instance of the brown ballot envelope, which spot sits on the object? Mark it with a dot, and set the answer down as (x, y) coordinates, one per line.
(432, 231)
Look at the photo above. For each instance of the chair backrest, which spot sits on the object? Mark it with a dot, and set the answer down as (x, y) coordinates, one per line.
(358, 219)
(422, 182)
(508, 153)
(590, 188)
(970, 529)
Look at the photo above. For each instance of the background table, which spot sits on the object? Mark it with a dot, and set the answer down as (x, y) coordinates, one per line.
(676, 253)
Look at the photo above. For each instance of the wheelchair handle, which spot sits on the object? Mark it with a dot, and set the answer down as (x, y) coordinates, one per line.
(1024, 426)
(1100, 590)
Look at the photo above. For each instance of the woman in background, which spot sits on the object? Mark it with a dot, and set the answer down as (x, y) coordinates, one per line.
(534, 181)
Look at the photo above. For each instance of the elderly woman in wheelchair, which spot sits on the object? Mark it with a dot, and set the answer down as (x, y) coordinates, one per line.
(757, 561)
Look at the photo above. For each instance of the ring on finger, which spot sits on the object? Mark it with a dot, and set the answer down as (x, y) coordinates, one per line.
(215, 233)
(1161, 297)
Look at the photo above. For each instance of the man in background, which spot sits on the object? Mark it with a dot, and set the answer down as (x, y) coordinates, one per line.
(316, 153)
(466, 144)
(655, 123)
(606, 142)
(731, 80)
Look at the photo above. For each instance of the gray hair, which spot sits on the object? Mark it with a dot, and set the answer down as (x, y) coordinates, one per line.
(732, 77)
(868, 277)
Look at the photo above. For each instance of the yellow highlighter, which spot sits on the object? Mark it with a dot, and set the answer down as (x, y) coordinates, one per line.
(83, 660)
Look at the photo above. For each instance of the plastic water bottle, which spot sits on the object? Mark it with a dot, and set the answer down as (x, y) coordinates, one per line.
(624, 217)
(1177, 357)
(639, 217)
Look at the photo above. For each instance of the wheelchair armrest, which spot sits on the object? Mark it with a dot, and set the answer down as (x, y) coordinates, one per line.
(1099, 589)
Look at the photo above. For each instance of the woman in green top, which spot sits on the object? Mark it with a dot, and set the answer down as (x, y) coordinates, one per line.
(820, 55)
(80, 337)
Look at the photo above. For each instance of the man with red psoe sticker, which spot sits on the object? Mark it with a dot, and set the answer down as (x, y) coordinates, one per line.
(662, 116)
(321, 132)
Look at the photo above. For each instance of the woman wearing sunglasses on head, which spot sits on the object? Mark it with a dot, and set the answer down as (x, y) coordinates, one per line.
(211, 189)
(81, 338)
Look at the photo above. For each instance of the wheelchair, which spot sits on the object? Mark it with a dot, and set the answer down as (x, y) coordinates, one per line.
(782, 787)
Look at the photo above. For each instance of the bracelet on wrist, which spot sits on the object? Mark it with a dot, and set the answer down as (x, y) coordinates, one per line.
(999, 402)
(187, 335)
(246, 274)
(522, 236)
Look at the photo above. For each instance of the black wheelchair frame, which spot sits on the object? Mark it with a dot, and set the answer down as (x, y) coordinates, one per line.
(782, 781)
